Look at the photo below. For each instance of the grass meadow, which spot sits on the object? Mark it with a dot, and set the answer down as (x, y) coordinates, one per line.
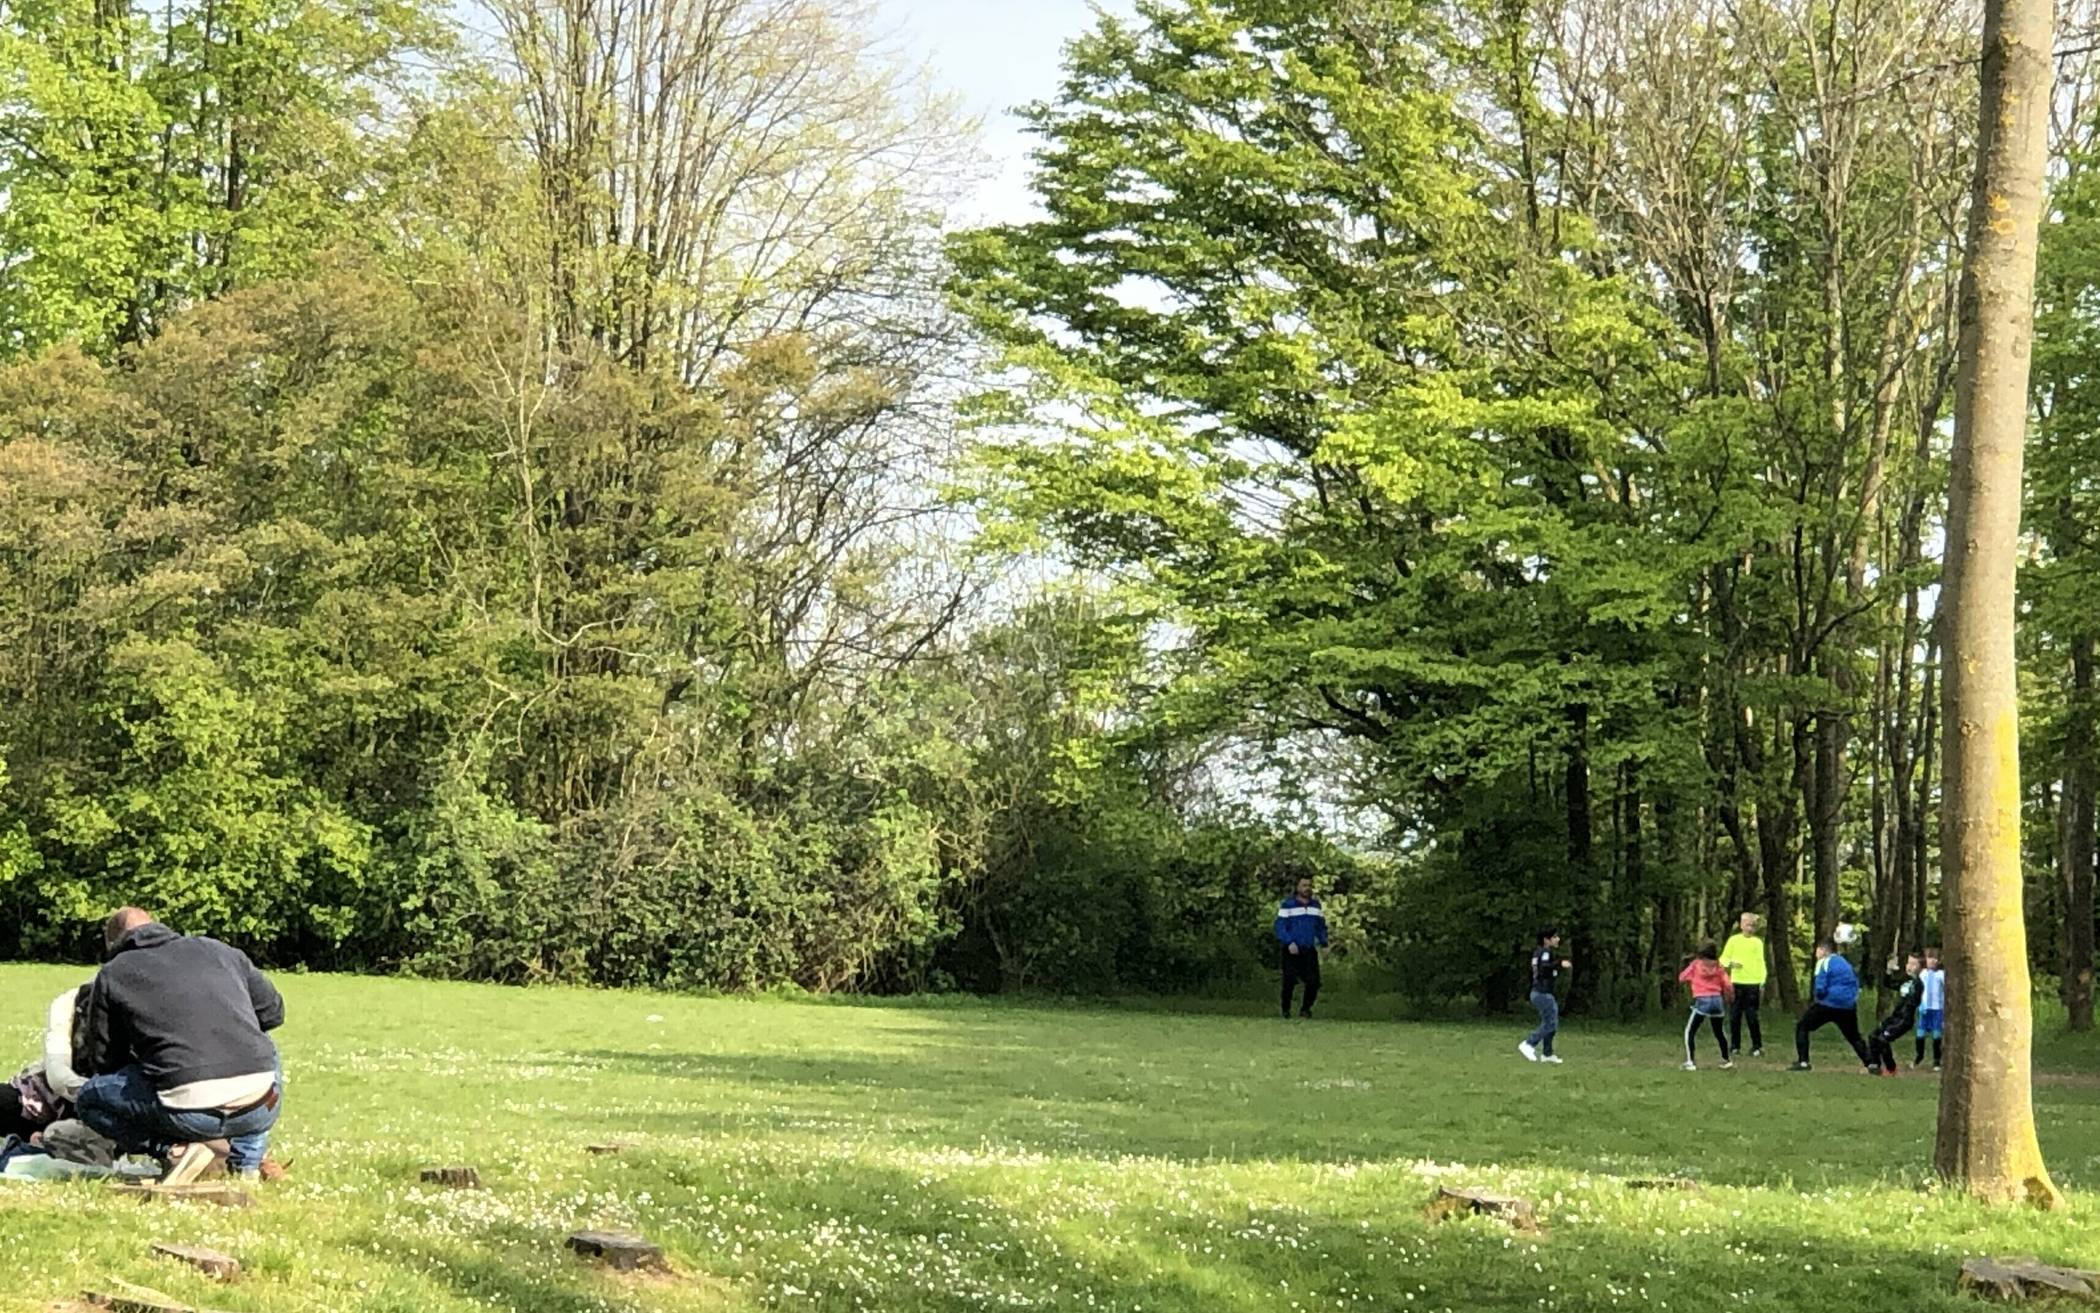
(953, 1155)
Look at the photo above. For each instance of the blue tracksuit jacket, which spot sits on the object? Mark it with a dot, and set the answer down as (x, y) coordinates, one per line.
(1303, 924)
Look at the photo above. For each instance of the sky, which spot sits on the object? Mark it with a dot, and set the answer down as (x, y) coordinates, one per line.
(992, 55)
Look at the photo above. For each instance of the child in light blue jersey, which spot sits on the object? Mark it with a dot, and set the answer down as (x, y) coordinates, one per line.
(1932, 1008)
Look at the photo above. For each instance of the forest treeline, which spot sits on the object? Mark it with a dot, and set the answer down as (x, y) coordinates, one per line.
(540, 490)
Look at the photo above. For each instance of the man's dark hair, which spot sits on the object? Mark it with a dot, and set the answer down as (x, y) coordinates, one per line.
(1710, 951)
(1550, 932)
(1829, 943)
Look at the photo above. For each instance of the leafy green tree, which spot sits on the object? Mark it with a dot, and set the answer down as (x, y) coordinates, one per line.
(1350, 398)
(153, 156)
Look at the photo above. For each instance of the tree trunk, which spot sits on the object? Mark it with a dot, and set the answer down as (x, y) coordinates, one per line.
(1825, 808)
(1987, 1141)
(2078, 841)
(1635, 893)
(1921, 826)
(1580, 833)
(1584, 936)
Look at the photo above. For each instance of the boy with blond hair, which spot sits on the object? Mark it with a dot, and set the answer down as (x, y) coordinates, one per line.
(1743, 958)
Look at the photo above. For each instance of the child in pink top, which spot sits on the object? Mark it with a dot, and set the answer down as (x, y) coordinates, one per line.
(1711, 990)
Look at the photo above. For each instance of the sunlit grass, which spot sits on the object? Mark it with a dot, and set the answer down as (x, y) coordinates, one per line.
(966, 1156)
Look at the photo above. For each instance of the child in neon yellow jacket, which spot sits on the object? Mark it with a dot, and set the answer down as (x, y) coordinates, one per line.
(1743, 958)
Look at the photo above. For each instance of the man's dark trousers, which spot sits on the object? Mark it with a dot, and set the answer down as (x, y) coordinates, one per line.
(1819, 1016)
(1302, 965)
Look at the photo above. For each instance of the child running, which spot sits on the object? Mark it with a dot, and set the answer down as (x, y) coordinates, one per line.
(1546, 965)
(1882, 1043)
(1932, 1007)
(1711, 990)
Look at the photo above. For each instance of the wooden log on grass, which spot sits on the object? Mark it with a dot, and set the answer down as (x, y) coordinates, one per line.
(212, 1263)
(123, 1297)
(214, 1193)
(453, 1178)
(134, 1301)
(1662, 1183)
(2020, 1279)
(622, 1251)
(608, 1147)
(1456, 1201)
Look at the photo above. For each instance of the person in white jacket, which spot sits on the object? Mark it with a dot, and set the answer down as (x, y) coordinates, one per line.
(43, 1092)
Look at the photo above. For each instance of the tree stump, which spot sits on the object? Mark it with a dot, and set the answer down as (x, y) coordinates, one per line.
(1454, 1202)
(2028, 1278)
(455, 1178)
(622, 1251)
(212, 1263)
(216, 1194)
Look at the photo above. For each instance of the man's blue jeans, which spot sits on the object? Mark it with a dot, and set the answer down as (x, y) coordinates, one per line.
(1549, 1022)
(125, 1107)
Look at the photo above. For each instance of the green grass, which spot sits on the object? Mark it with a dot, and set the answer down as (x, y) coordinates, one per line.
(979, 1156)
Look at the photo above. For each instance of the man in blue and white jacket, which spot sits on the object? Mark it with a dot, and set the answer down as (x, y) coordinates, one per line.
(1301, 927)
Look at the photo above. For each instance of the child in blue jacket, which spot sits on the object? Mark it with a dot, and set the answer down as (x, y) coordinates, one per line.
(1301, 927)
(1836, 1003)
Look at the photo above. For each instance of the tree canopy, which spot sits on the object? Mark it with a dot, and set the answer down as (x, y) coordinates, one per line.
(547, 492)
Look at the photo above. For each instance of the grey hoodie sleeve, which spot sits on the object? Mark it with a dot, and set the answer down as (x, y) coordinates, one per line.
(269, 1004)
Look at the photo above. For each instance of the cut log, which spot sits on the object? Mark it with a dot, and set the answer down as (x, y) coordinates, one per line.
(212, 1263)
(1452, 1201)
(2028, 1278)
(609, 1147)
(216, 1194)
(455, 1178)
(134, 1301)
(123, 1297)
(622, 1251)
(1662, 1183)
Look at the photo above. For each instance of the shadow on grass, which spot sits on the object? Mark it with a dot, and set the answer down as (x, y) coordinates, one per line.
(861, 1236)
(510, 1268)
(1747, 1128)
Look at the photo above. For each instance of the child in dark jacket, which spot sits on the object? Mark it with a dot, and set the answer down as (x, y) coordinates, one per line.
(1711, 991)
(1882, 1043)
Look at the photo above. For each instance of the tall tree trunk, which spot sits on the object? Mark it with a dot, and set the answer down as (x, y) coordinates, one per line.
(1582, 988)
(1826, 805)
(2078, 841)
(1634, 895)
(1987, 1142)
(1776, 829)
(1921, 825)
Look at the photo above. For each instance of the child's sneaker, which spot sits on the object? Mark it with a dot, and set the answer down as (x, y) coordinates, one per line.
(1800, 1066)
(1553, 1058)
(1689, 1066)
(1728, 1064)
(1530, 1054)
(1757, 1053)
